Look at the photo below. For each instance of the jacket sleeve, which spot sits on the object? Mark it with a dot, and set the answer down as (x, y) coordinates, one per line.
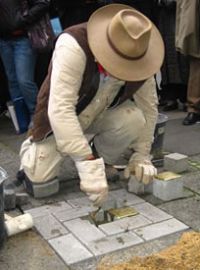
(68, 65)
(37, 9)
(146, 99)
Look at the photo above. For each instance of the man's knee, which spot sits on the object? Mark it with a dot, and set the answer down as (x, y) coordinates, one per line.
(133, 121)
(40, 161)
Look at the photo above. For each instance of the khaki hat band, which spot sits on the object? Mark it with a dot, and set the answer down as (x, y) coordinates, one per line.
(120, 53)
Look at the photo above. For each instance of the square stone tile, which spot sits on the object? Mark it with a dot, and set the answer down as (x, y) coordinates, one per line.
(151, 212)
(70, 249)
(49, 227)
(124, 225)
(48, 209)
(114, 243)
(161, 229)
(84, 230)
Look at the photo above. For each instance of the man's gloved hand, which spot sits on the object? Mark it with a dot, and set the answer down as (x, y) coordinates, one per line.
(93, 179)
(143, 170)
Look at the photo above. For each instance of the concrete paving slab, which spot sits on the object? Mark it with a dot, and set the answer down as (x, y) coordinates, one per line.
(70, 249)
(66, 215)
(160, 229)
(125, 197)
(151, 212)
(48, 209)
(49, 227)
(113, 243)
(186, 210)
(81, 202)
(125, 224)
(84, 230)
(193, 182)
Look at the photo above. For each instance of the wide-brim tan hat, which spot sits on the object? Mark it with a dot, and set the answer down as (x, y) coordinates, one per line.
(125, 42)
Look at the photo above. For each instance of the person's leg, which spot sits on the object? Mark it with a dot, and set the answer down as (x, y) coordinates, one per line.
(7, 56)
(25, 59)
(193, 94)
(116, 130)
(40, 161)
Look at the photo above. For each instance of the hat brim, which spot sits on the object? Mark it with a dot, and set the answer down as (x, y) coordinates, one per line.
(115, 64)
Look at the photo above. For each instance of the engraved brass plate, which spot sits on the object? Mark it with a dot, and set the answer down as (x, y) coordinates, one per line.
(118, 213)
(166, 176)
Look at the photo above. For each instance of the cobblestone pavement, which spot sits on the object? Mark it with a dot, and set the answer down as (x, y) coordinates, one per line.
(64, 225)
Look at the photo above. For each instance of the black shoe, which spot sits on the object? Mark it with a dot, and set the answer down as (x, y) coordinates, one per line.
(191, 119)
(170, 106)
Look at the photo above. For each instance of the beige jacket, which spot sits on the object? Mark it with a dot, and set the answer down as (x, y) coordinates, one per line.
(68, 64)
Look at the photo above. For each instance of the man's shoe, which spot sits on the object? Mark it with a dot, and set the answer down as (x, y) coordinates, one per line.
(191, 119)
(170, 106)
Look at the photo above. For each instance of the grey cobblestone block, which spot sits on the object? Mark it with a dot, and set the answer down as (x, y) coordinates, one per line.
(45, 189)
(49, 227)
(9, 199)
(114, 243)
(84, 230)
(161, 229)
(168, 190)
(22, 198)
(176, 162)
(48, 209)
(134, 186)
(151, 212)
(81, 203)
(124, 225)
(70, 249)
(73, 213)
(126, 198)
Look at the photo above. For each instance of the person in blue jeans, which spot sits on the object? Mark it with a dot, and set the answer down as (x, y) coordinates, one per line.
(17, 54)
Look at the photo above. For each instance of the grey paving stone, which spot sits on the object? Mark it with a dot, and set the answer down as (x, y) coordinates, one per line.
(124, 225)
(48, 209)
(185, 210)
(72, 213)
(81, 203)
(70, 249)
(134, 186)
(49, 227)
(45, 189)
(114, 243)
(125, 197)
(84, 230)
(151, 212)
(168, 190)
(161, 229)
(176, 162)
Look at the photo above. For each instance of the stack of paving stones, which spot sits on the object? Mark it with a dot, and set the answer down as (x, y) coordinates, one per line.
(75, 239)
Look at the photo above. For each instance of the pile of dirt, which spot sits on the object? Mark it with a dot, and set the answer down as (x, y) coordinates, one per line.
(184, 255)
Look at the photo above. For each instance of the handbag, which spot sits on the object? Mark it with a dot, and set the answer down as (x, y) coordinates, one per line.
(41, 35)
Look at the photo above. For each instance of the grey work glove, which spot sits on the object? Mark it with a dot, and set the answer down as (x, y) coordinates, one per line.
(143, 170)
(93, 180)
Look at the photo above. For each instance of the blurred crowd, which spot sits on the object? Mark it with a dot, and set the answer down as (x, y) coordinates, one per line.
(23, 69)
